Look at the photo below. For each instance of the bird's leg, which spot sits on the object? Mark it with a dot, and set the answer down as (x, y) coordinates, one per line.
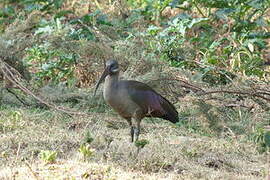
(137, 129)
(132, 133)
(137, 117)
(131, 129)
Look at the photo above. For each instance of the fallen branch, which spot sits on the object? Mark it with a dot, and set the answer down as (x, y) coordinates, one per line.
(14, 94)
(184, 84)
(6, 70)
(257, 92)
(253, 94)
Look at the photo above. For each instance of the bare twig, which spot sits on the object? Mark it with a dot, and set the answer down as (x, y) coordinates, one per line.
(239, 105)
(32, 171)
(18, 151)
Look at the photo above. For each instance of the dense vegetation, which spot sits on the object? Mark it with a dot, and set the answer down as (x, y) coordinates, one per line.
(211, 58)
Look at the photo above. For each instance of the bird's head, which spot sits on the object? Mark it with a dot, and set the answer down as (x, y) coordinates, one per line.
(111, 68)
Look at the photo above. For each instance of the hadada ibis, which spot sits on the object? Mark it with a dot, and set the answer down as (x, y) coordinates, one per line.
(134, 100)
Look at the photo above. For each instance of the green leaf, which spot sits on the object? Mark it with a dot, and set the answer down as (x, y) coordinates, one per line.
(257, 4)
(224, 13)
(141, 143)
(103, 19)
(176, 3)
(267, 138)
(42, 30)
(261, 22)
(62, 13)
(214, 45)
(250, 47)
(7, 11)
(197, 21)
(153, 30)
(212, 61)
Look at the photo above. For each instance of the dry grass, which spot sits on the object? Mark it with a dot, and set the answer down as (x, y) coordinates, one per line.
(173, 152)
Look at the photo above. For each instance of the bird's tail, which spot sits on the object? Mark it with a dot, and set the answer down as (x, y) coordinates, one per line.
(171, 113)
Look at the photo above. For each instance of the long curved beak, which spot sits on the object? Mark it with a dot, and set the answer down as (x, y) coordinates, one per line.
(104, 74)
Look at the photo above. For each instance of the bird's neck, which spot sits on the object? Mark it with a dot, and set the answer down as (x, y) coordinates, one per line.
(111, 80)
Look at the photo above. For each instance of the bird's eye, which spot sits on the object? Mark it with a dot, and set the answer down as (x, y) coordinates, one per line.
(113, 66)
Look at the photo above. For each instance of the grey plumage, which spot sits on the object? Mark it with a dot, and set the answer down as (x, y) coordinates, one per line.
(134, 100)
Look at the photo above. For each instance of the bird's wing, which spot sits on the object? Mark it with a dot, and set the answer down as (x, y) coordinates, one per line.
(149, 100)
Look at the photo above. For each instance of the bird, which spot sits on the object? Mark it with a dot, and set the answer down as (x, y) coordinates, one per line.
(133, 100)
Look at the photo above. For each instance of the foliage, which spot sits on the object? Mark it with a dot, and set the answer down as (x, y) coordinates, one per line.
(88, 137)
(51, 64)
(13, 9)
(151, 9)
(13, 120)
(16, 116)
(262, 138)
(4, 155)
(86, 22)
(86, 151)
(218, 59)
(48, 156)
(141, 143)
(217, 39)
